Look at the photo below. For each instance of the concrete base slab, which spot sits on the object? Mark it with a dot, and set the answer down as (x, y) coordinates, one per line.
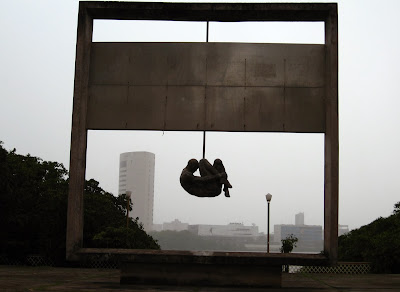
(201, 268)
(201, 274)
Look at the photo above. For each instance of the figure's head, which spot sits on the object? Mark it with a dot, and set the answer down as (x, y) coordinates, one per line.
(192, 165)
(218, 165)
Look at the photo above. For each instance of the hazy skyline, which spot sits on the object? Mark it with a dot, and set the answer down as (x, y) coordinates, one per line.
(37, 60)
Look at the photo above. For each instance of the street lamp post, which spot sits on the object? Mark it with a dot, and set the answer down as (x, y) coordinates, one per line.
(128, 196)
(268, 197)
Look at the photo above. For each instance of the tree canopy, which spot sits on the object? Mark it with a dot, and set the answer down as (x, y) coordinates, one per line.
(377, 243)
(33, 210)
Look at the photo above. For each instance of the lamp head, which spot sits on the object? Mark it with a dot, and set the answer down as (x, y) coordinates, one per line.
(268, 197)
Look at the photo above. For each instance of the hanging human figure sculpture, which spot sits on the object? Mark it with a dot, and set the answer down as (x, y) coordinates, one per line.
(209, 184)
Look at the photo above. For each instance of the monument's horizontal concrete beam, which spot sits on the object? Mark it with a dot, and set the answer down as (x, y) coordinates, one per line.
(212, 11)
(207, 86)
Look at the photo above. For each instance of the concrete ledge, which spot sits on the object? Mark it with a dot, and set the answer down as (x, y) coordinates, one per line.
(207, 257)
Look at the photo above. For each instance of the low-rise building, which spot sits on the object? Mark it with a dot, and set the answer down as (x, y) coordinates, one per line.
(175, 225)
(229, 230)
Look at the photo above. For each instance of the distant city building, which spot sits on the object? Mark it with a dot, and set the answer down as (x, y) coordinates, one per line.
(230, 237)
(299, 219)
(230, 230)
(157, 227)
(175, 225)
(136, 174)
(343, 229)
(310, 236)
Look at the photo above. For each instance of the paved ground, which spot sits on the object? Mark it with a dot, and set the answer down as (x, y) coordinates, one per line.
(71, 279)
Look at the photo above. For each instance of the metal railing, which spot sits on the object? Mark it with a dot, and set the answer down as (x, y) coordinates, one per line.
(101, 262)
(30, 260)
(340, 268)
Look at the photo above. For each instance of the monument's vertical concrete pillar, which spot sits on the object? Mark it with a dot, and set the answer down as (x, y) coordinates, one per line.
(331, 197)
(79, 134)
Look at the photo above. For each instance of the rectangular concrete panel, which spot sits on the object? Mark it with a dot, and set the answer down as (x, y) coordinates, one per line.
(110, 64)
(264, 71)
(185, 108)
(145, 107)
(264, 106)
(304, 66)
(104, 102)
(225, 108)
(206, 85)
(186, 63)
(148, 65)
(298, 99)
(225, 64)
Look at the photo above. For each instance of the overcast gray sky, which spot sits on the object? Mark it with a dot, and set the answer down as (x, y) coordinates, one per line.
(37, 59)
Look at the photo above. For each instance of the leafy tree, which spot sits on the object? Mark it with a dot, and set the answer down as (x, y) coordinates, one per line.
(396, 208)
(32, 205)
(377, 243)
(123, 237)
(106, 223)
(33, 210)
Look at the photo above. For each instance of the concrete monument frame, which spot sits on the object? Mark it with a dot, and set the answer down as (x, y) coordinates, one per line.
(229, 12)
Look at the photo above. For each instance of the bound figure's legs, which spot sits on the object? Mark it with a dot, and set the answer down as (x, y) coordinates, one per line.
(206, 169)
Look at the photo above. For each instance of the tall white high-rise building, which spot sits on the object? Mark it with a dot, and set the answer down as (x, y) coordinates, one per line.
(299, 219)
(136, 174)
